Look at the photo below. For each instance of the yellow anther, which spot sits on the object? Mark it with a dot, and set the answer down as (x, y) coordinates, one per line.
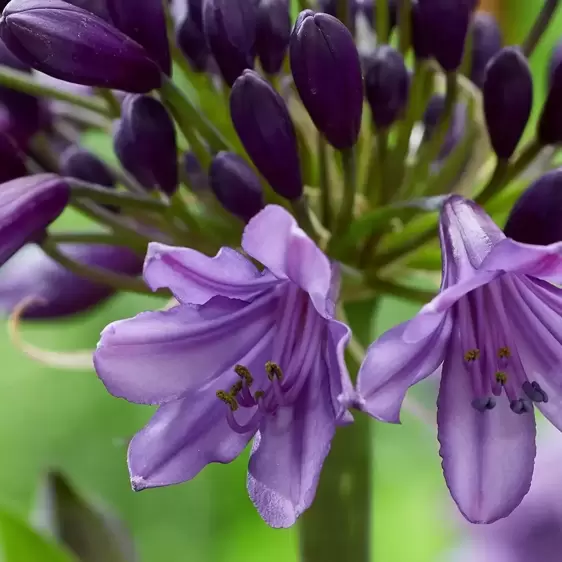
(244, 373)
(258, 394)
(504, 352)
(236, 388)
(472, 355)
(228, 399)
(501, 377)
(273, 371)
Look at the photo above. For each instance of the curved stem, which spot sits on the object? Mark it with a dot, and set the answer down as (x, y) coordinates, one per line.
(538, 29)
(349, 189)
(325, 187)
(24, 82)
(107, 238)
(495, 183)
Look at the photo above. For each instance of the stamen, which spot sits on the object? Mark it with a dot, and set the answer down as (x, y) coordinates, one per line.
(501, 377)
(504, 353)
(538, 388)
(273, 371)
(236, 388)
(472, 355)
(521, 406)
(228, 399)
(258, 394)
(483, 404)
(534, 392)
(244, 373)
(251, 426)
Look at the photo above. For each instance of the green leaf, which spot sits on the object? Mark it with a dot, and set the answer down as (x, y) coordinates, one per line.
(21, 543)
(93, 534)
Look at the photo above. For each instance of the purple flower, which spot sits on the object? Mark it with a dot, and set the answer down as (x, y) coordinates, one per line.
(245, 353)
(495, 326)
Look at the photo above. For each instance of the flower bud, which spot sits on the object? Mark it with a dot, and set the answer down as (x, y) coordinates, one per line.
(146, 25)
(28, 205)
(272, 34)
(81, 164)
(421, 44)
(508, 98)
(58, 292)
(386, 85)
(145, 143)
(230, 29)
(195, 12)
(89, 51)
(457, 127)
(191, 40)
(444, 25)
(486, 42)
(236, 186)
(327, 74)
(13, 165)
(264, 126)
(535, 217)
(549, 129)
(555, 61)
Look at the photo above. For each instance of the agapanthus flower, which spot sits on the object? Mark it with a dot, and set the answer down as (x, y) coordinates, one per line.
(495, 326)
(246, 353)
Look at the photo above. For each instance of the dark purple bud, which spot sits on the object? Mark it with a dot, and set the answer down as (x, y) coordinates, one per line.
(444, 25)
(28, 205)
(328, 7)
(235, 185)
(264, 126)
(535, 217)
(145, 24)
(12, 165)
(7, 58)
(76, 162)
(386, 85)
(21, 115)
(421, 43)
(230, 29)
(145, 143)
(272, 34)
(508, 98)
(31, 273)
(198, 179)
(327, 74)
(555, 61)
(549, 129)
(193, 45)
(456, 129)
(486, 42)
(75, 45)
(195, 12)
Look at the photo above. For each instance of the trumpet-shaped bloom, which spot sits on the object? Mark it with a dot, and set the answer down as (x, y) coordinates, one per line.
(246, 353)
(496, 328)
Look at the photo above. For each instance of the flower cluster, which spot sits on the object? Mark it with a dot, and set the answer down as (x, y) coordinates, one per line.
(309, 138)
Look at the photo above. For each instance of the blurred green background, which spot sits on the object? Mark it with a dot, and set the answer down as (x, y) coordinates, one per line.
(66, 420)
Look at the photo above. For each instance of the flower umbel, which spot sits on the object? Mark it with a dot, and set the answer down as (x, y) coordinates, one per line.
(496, 328)
(245, 353)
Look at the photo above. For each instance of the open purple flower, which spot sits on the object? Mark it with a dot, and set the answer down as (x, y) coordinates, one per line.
(497, 329)
(245, 353)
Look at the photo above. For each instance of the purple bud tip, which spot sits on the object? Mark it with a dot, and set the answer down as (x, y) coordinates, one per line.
(230, 29)
(28, 205)
(236, 185)
(486, 42)
(535, 217)
(549, 130)
(327, 74)
(444, 26)
(386, 85)
(264, 126)
(145, 143)
(146, 25)
(81, 164)
(272, 34)
(13, 165)
(75, 45)
(193, 44)
(508, 98)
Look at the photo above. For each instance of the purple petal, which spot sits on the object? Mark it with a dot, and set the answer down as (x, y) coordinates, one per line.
(196, 278)
(274, 238)
(182, 438)
(392, 365)
(30, 273)
(289, 451)
(157, 357)
(543, 262)
(488, 457)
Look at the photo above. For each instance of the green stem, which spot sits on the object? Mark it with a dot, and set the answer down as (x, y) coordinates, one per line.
(325, 187)
(345, 215)
(404, 25)
(23, 82)
(401, 291)
(525, 158)
(405, 248)
(538, 29)
(495, 183)
(302, 214)
(385, 188)
(104, 196)
(382, 21)
(343, 13)
(113, 105)
(95, 274)
(85, 238)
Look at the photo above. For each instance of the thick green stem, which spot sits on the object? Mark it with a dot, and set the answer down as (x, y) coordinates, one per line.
(24, 82)
(113, 105)
(382, 21)
(345, 215)
(107, 238)
(325, 187)
(540, 26)
(404, 25)
(495, 183)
